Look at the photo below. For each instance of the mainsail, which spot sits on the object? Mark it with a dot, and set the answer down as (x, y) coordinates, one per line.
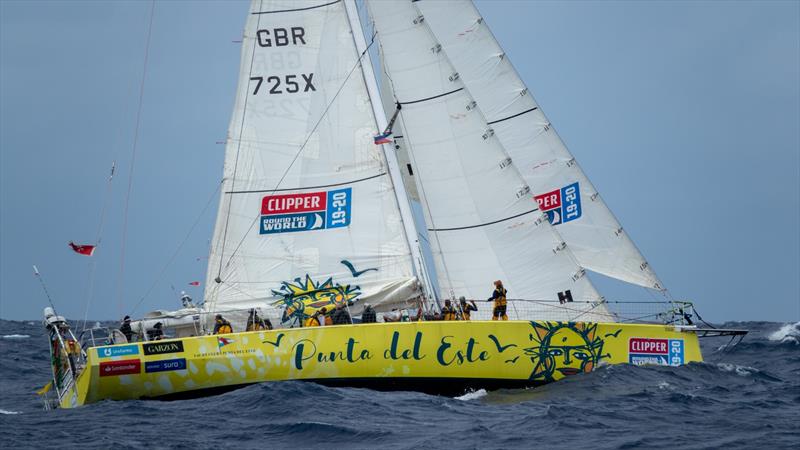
(591, 231)
(483, 221)
(308, 209)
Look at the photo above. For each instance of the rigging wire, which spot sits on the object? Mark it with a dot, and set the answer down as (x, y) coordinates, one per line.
(297, 155)
(238, 148)
(92, 263)
(177, 250)
(121, 275)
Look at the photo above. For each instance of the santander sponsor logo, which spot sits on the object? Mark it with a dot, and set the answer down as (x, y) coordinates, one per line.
(293, 203)
(113, 368)
(651, 346)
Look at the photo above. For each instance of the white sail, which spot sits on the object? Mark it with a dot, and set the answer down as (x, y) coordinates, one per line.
(308, 208)
(483, 222)
(591, 231)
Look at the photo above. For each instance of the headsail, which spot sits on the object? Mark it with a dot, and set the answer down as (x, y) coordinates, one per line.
(588, 227)
(308, 210)
(482, 219)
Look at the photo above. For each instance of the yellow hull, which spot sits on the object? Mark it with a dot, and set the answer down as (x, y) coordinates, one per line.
(385, 355)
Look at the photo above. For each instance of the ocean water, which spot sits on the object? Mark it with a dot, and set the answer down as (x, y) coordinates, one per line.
(745, 397)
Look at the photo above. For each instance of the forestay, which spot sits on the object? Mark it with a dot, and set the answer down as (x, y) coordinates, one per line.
(483, 222)
(572, 203)
(306, 199)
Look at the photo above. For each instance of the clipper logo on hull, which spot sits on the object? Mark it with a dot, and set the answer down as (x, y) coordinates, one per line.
(307, 211)
(662, 352)
(561, 205)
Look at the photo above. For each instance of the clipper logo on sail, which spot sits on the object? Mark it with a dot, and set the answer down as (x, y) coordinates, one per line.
(663, 352)
(561, 205)
(305, 211)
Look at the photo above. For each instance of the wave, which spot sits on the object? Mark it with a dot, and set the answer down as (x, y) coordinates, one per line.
(3, 411)
(15, 336)
(473, 395)
(787, 333)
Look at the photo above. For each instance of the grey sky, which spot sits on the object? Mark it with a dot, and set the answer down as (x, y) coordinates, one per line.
(684, 115)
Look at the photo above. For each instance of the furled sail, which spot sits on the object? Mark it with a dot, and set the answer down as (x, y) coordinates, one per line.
(308, 213)
(559, 185)
(483, 222)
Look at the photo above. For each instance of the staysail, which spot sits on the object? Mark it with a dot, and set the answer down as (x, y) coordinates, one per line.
(308, 211)
(591, 231)
(483, 222)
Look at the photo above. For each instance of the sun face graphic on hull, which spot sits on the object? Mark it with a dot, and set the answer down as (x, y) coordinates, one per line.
(303, 298)
(563, 348)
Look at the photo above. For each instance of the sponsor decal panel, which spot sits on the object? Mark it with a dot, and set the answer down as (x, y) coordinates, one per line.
(117, 350)
(165, 365)
(561, 205)
(286, 213)
(663, 352)
(125, 367)
(160, 348)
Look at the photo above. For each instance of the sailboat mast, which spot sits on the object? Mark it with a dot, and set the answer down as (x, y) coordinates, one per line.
(409, 225)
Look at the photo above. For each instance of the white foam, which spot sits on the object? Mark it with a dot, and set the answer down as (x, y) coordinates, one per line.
(15, 336)
(787, 333)
(740, 370)
(3, 411)
(472, 395)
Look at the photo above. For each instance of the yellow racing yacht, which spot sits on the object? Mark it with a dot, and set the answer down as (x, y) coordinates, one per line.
(377, 173)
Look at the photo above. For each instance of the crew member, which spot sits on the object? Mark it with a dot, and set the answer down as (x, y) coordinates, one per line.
(222, 326)
(368, 315)
(324, 317)
(125, 328)
(255, 323)
(341, 316)
(157, 333)
(313, 320)
(448, 311)
(466, 308)
(499, 297)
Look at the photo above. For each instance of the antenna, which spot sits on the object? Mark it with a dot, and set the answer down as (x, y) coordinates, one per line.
(44, 287)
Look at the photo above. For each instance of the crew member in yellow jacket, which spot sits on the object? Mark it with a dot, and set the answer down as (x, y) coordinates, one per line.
(499, 297)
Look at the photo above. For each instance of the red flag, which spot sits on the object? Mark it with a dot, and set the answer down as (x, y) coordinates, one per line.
(86, 250)
(194, 283)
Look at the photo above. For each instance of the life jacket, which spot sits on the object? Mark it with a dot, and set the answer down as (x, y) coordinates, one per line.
(225, 328)
(73, 347)
(254, 326)
(500, 296)
(311, 322)
(448, 313)
(466, 310)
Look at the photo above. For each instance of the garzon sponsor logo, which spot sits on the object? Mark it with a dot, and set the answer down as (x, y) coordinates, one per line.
(125, 367)
(306, 211)
(117, 350)
(561, 205)
(663, 352)
(160, 348)
(165, 365)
